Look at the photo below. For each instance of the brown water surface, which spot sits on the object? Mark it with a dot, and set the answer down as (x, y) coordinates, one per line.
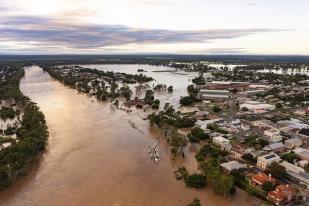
(94, 157)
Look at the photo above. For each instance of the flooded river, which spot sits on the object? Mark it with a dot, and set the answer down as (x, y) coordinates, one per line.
(94, 157)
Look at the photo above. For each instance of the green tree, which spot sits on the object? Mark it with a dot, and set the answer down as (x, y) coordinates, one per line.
(149, 96)
(224, 185)
(278, 171)
(186, 101)
(198, 133)
(216, 109)
(244, 109)
(290, 157)
(170, 89)
(267, 186)
(196, 180)
(126, 92)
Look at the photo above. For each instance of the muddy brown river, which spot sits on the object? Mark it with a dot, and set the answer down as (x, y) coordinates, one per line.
(94, 157)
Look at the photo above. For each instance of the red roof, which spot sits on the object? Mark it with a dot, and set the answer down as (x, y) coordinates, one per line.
(281, 193)
(260, 178)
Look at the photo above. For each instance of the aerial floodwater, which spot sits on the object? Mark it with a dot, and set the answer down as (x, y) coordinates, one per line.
(95, 157)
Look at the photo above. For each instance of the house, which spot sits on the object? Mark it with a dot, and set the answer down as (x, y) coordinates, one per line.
(239, 150)
(262, 124)
(222, 142)
(275, 147)
(273, 135)
(302, 153)
(302, 163)
(271, 132)
(296, 174)
(283, 194)
(201, 114)
(258, 180)
(204, 123)
(293, 143)
(232, 165)
(266, 160)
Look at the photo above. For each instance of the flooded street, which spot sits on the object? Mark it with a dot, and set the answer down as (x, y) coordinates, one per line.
(94, 156)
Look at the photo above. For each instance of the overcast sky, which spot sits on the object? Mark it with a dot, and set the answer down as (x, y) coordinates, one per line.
(154, 26)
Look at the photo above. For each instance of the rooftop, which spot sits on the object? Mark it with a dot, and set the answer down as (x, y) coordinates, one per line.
(274, 146)
(260, 178)
(232, 165)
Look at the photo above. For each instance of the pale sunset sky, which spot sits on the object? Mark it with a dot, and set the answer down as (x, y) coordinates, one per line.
(263, 27)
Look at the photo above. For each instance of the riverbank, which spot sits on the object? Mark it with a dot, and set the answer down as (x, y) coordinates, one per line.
(25, 137)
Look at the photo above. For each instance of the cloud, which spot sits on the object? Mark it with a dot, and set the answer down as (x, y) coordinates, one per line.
(40, 32)
(158, 2)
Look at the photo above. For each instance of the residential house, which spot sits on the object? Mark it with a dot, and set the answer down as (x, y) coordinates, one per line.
(262, 124)
(302, 153)
(239, 150)
(273, 135)
(266, 160)
(222, 142)
(293, 143)
(283, 194)
(275, 147)
(259, 179)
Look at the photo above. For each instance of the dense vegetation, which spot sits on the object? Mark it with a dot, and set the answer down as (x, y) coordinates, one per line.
(31, 133)
(7, 113)
(172, 118)
(102, 84)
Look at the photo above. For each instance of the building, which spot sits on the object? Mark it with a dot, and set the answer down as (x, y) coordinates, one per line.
(275, 147)
(232, 165)
(302, 153)
(254, 92)
(214, 94)
(203, 123)
(296, 174)
(293, 143)
(222, 142)
(258, 180)
(227, 85)
(262, 124)
(201, 114)
(273, 135)
(257, 107)
(266, 160)
(239, 150)
(283, 194)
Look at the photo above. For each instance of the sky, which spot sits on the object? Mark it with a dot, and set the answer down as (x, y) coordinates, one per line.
(262, 27)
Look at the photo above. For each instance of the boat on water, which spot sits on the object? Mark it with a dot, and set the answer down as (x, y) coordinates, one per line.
(132, 124)
(154, 153)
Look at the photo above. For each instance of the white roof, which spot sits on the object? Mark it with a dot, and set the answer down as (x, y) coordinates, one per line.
(292, 167)
(221, 139)
(274, 146)
(293, 141)
(302, 152)
(232, 165)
